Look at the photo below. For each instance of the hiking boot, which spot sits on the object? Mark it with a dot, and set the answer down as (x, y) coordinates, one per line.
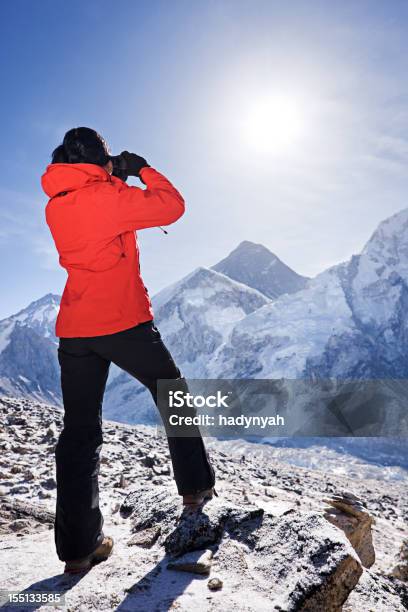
(99, 554)
(192, 501)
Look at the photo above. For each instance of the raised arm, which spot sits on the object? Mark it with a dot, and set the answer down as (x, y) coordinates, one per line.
(159, 204)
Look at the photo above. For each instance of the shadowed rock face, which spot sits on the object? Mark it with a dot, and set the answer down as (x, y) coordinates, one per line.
(186, 532)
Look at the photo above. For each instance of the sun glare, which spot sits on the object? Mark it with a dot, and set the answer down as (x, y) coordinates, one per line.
(273, 124)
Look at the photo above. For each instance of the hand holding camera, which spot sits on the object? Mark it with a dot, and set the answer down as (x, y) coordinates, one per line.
(127, 164)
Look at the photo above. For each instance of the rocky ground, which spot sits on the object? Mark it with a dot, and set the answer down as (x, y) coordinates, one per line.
(278, 537)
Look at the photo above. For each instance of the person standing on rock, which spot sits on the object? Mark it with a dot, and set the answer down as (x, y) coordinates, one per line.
(106, 316)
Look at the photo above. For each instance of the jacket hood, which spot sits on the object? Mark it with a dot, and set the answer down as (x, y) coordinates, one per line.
(68, 177)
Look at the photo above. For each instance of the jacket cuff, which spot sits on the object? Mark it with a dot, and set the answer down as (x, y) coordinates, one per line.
(141, 172)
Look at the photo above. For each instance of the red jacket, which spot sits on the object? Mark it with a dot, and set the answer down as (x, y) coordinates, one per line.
(93, 217)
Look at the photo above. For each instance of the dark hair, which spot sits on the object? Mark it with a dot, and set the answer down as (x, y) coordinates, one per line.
(82, 146)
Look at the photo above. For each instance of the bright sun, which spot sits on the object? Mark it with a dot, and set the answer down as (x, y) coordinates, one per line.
(273, 124)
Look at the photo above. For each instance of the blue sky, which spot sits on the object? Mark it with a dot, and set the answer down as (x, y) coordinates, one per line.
(176, 82)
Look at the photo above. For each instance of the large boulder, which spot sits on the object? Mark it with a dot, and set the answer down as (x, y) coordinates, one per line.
(309, 564)
(299, 561)
(348, 512)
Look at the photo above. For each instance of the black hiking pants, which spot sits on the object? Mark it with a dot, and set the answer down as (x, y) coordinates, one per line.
(85, 363)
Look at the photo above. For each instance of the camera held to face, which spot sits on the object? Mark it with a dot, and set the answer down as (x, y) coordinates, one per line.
(127, 164)
(119, 167)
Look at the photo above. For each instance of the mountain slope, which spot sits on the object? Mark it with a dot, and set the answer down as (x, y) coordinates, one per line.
(195, 316)
(39, 315)
(198, 312)
(28, 359)
(255, 266)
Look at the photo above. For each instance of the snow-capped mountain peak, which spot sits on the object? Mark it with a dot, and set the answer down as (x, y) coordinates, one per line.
(39, 315)
(350, 321)
(378, 277)
(254, 265)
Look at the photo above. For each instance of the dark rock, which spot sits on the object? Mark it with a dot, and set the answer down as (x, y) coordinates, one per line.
(49, 483)
(44, 494)
(215, 584)
(19, 489)
(163, 470)
(20, 525)
(18, 509)
(20, 449)
(17, 420)
(149, 460)
(145, 538)
(150, 506)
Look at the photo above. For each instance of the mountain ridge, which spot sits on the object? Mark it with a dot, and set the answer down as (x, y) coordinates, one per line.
(348, 321)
